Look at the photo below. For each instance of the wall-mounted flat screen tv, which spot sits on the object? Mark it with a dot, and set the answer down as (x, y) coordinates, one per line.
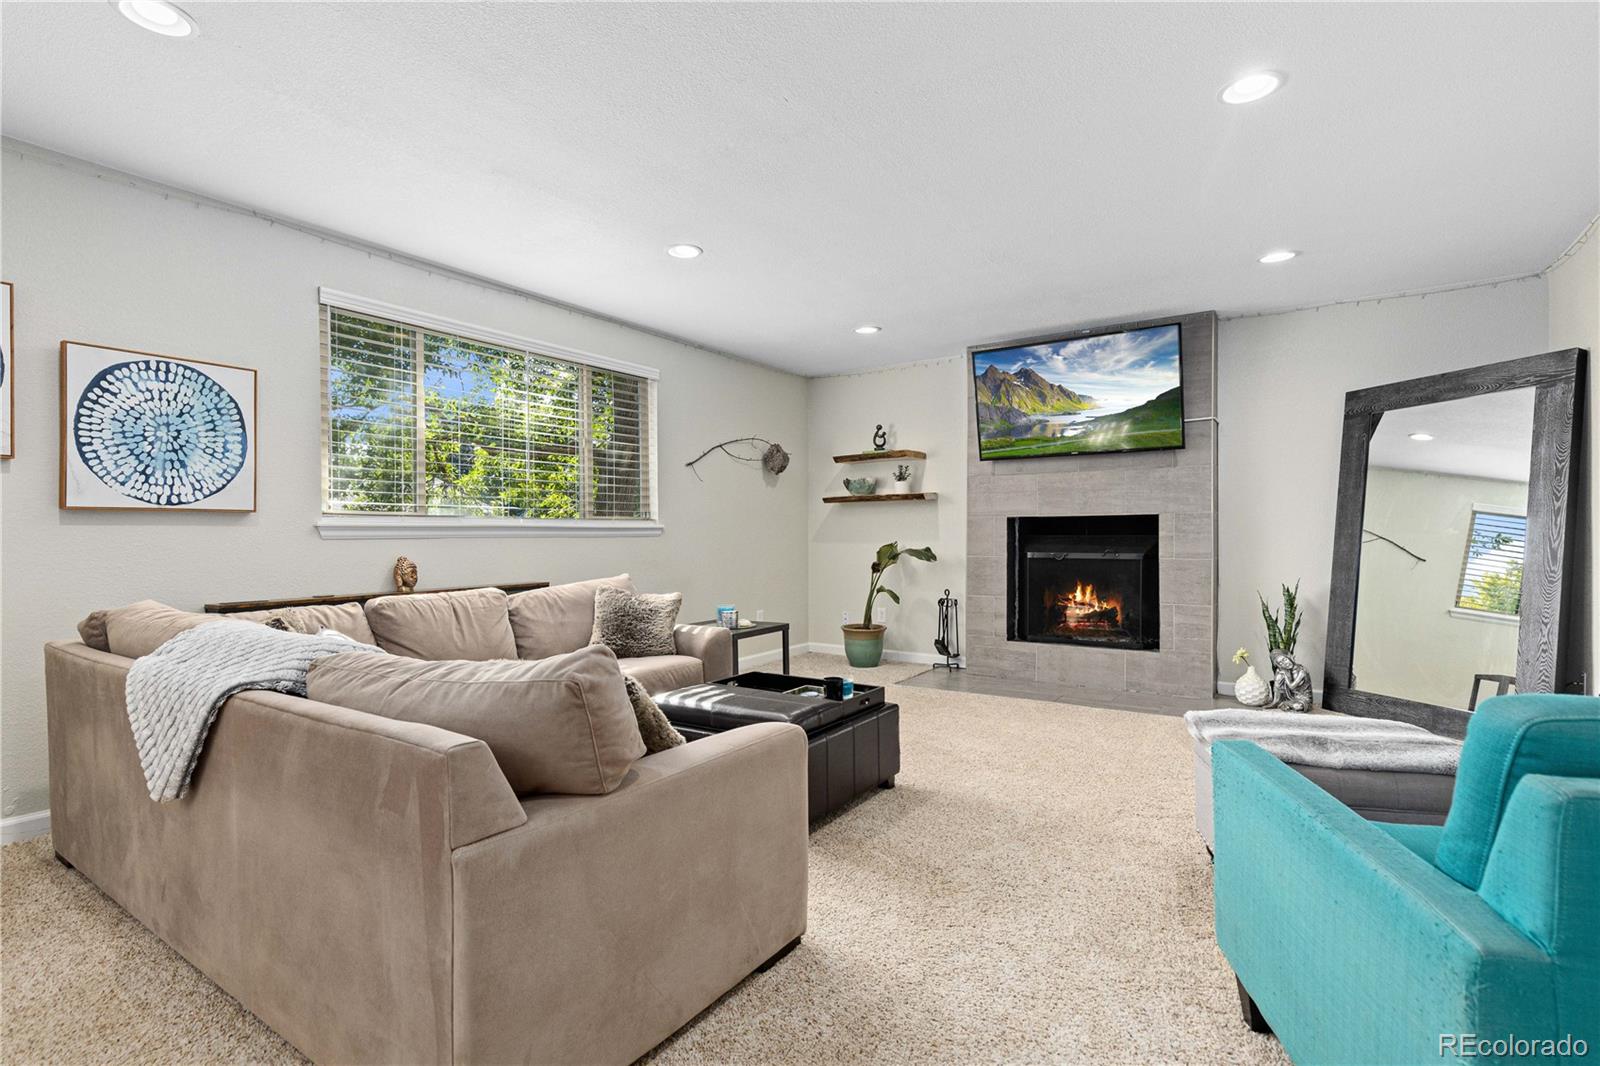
(1082, 395)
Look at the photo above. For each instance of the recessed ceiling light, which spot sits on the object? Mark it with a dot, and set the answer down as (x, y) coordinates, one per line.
(158, 16)
(869, 329)
(684, 251)
(1252, 87)
(1280, 256)
(1422, 436)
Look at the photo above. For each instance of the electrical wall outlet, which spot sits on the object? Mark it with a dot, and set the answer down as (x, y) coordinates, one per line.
(880, 614)
(761, 614)
(844, 617)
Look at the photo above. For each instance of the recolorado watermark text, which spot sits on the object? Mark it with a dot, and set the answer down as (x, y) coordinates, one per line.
(1473, 1046)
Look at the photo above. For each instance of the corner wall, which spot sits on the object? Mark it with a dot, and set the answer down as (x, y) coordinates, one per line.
(122, 264)
(1574, 308)
(923, 407)
(1282, 385)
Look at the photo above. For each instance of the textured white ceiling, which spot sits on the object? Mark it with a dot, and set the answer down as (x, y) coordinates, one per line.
(957, 173)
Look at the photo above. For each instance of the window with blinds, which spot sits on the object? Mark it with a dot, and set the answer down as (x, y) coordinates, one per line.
(421, 421)
(1491, 574)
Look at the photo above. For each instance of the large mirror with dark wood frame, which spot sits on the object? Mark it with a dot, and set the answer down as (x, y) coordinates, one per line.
(1452, 540)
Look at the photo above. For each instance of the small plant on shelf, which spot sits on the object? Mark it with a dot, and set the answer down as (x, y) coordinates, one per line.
(902, 478)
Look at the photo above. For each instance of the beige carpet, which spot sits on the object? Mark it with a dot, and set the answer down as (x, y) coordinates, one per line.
(1034, 891)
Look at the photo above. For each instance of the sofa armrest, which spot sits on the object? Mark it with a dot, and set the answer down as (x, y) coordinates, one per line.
(1326, 918)
(712, 645)
(684, 879)
(1542, 869)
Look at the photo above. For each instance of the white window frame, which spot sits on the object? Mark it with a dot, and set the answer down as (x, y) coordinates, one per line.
(356, 526)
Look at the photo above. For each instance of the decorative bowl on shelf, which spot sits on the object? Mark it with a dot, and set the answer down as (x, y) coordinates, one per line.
(861, 486)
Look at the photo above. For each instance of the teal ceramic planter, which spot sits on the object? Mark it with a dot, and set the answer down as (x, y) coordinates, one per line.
(863, 645)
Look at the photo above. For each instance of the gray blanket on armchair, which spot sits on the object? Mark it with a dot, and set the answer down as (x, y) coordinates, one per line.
(1331, 740)
(175, 692)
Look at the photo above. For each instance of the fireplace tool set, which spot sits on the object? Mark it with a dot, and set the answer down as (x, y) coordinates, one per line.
(948, 640)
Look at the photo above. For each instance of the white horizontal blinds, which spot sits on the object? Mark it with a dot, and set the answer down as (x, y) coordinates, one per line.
(619, 435)
(501, 432)
(370, 414)
(504, 433)
(1491, 575)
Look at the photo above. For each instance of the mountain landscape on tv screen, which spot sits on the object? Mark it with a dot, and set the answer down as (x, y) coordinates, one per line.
(1112, 393)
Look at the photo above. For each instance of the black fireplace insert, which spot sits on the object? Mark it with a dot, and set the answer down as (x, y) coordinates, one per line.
(1084, 579)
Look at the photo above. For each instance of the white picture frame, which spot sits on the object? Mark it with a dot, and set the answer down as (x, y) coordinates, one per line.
(141, 431)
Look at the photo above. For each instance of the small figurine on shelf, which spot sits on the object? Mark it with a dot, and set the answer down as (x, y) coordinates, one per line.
(1291, 683)
(902, 478)
(880, 439)
(405, 575)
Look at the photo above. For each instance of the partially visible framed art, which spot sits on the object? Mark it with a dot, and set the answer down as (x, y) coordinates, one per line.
(142, 432)
(8, 388)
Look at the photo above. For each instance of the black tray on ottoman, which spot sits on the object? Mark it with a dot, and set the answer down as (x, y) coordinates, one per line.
(854, 743)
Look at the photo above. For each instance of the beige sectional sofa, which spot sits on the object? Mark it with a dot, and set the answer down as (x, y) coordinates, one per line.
(375, 891)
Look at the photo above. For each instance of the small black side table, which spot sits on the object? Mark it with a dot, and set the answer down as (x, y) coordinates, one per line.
(760, 629)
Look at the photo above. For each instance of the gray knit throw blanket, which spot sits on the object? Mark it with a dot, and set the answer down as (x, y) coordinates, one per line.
(175, 692)
(1331, 740)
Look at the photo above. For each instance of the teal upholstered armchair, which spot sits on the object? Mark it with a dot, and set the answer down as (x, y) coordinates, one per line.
(1361, 942)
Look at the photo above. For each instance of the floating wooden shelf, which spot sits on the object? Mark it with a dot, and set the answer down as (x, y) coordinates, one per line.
(886, 497)
(867, 457)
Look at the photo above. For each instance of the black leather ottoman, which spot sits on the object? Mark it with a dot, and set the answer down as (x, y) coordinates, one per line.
(854, 744)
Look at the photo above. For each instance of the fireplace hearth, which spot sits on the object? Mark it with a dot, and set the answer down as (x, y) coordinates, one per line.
(1084, 579)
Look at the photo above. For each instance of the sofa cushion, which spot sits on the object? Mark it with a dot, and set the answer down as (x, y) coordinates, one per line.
(139, 628)
(1508, 738)
(663, 673)
(655, 729)
(556, 620)
(563, 724)
(347, 618)
(471, 624)
(635, 624)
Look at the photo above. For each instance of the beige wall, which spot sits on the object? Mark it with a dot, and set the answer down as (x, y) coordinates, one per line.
(1575, 323)
(99, 261)
(1281, 385)
(1408, 643)
(923, 406)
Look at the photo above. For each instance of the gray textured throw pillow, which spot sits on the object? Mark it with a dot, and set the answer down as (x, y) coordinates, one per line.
(656, 731)
(635, 624)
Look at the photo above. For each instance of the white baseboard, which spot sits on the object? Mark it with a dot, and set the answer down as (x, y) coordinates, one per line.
(24, 827)
(927, 658)
(1225, 688)
(766, 658)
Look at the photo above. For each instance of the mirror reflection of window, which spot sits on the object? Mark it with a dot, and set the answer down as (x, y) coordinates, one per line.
(1491, 574)
(1443, 532)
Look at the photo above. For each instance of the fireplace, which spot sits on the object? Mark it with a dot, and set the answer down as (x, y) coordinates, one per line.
(1084, 579)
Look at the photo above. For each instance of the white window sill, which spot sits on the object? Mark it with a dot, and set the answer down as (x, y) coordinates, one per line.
(1486, 616)
(411, 527)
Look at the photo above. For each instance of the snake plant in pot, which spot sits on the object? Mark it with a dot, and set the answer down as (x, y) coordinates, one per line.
(863, 643)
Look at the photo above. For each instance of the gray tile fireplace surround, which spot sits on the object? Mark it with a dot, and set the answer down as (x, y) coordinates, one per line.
(1180, 487)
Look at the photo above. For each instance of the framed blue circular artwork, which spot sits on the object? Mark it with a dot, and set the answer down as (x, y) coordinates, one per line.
(157, 432)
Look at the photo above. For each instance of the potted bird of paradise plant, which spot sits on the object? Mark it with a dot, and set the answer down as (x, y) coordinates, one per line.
(863, 643)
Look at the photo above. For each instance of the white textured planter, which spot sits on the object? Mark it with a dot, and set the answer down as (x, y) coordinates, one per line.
(1250, 689)
(902, 487)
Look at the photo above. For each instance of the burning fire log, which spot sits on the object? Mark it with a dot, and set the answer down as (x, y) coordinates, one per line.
(1082, 608)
